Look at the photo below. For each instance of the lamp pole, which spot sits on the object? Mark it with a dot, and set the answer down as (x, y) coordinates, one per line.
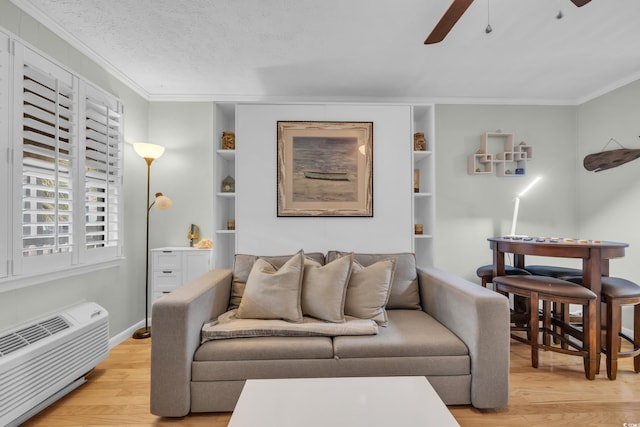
(149, 152)
(146, 331)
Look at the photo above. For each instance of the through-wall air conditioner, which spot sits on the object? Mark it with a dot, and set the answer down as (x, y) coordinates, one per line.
(45, 359)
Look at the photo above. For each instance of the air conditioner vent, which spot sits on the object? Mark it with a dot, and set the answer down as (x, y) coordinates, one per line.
(32, 334)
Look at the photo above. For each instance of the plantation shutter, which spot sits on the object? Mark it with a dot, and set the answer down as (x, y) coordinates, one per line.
(103, 170)
(47, 163)
(5, 177)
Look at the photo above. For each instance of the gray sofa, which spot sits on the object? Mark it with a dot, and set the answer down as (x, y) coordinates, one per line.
(450, 330)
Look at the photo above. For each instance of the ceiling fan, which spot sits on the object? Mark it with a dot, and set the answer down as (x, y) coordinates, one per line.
(453, 14)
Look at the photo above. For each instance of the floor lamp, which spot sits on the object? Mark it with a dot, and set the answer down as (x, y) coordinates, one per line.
(516, 208)
(149, 152)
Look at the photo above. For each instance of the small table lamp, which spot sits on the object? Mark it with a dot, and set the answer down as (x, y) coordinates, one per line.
(517, 206)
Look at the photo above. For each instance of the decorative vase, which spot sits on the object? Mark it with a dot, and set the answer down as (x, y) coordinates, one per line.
(228, 140)
(419, 142)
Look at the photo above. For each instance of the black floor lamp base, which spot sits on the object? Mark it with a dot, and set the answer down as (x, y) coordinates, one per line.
(142, 333)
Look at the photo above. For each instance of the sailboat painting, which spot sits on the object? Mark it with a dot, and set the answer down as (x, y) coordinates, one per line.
(325, 168)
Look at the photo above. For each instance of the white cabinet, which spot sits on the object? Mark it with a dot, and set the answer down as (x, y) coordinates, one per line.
(424, 186)
(172, 267)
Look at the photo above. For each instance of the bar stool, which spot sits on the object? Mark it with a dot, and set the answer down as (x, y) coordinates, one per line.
(553, 271)
(485, 273)
(617, 292)
(551, 290)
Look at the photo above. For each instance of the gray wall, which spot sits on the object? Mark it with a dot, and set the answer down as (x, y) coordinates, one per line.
(119, 289)
(471, 208)
(609, 201)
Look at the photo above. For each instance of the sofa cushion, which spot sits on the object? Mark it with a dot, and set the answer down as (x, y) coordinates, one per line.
(266, 348)
(404, 289)
(273, 293)
(408, 333)
(368, 290)
(243, 263)
(324, 288)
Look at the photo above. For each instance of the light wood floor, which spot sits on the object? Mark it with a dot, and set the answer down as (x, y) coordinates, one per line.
(555, 394)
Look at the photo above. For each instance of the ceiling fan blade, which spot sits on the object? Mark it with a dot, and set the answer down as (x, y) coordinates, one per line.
(580, 3)
(448, 20)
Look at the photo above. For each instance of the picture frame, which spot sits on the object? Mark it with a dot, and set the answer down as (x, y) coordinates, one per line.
(325, 169)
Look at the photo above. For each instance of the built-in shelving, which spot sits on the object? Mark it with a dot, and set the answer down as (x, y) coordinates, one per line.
(424, 182)
(225, 202)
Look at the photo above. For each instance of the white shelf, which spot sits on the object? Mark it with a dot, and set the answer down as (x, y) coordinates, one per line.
(225, 231)
(420, 155)
(226, 154)
(227, 195)
(509, 161)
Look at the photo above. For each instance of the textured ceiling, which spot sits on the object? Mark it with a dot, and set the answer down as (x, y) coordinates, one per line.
(354, 49)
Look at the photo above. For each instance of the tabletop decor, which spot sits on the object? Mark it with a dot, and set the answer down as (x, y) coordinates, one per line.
(325, 169)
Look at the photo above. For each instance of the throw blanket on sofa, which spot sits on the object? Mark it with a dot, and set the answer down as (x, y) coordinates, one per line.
(228, 325)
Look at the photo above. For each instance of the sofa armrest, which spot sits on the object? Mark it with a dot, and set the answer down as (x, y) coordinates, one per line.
(177, 322)
(480, 317)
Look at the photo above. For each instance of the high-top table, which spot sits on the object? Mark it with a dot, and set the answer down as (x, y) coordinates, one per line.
(595, 256)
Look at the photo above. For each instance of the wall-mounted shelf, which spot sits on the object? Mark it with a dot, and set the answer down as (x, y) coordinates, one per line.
(511, 161)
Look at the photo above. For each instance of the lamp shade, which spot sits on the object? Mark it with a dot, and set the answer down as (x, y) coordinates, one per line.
(147, 150)
(162, 202)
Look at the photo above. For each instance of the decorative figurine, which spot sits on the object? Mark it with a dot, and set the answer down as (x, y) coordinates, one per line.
(193, 235)
(228, 185)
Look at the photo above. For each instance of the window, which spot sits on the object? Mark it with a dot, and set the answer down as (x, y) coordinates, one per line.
(64, 183)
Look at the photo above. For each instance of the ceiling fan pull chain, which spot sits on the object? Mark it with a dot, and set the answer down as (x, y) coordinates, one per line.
(488, 29)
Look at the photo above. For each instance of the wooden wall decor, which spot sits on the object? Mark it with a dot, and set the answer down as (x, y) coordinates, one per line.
(609, 159)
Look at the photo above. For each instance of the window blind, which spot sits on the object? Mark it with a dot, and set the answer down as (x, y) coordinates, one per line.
(47, 165)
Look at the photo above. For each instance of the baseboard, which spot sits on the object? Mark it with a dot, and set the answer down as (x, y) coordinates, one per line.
(124, 335)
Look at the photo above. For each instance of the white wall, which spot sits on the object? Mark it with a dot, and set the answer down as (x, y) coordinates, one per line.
(260, 231)
(471, 208)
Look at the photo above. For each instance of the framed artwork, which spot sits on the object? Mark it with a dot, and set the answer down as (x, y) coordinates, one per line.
(325, 169)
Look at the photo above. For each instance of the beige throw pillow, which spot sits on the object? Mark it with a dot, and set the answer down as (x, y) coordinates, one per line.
(324, 289)
(369, 289)
(272, 293)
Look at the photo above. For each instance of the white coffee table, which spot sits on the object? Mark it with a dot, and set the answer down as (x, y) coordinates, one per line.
(337, 402)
